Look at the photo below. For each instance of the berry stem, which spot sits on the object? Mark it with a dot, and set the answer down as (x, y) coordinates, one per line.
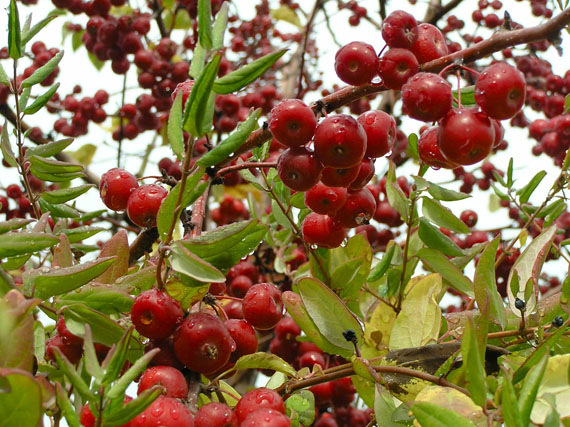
(246, 165)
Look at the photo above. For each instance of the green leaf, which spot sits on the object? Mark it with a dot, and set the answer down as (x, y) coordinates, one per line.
(509, 407)
(510, 173)
(197, 63)
(195, 111)
(186, 291)
(90, 357)
(24, 97)
(435, 239)
(99, 297)
(14, 35)
(50, 149)
(474, 368)
(232, 142)
(66, 407)
(330, 314)
(4, 79)
(174, 130)
(525, 192)
(81, 233)
(287, 14)
(240, 78)
(220, 25)
(130, 410)
(205, 23)
(413, 146)
(567, 105)
(98, 64)
(118, 389)
(467, 95)
(384, 407)
(44, 71)
(227, 245)
(58, 211)
(45, 282)
(185, 262)
(29, 34)
(530, 387)
(141, 280)
(488, 298)
(302, 405)
(430, 415)
(115, 360)
(45, 165)
(64, 195)
(7, 152)
(19, 243)
(442, 216)
(13, 224)
(22, 405)
(41, 100)
(440, 193)
(72, 376)
(452, 275)
(262, 360)
(57, 177)
(396, 196)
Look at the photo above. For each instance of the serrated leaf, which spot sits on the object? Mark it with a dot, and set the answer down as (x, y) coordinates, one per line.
(329, 313)
(64, 195)
(452, 275)
(430, 415)
(232, 142)
(44, 71)
(185, 262)
(219, 27)
(240, 78)
(41, 100)
(262, 360)
(100, 297)
(435, 239)
(14, 35)
(174, 130)
(7, 152)
(442, 216)
(525, 192)
(29, 34)
(50, 149)
(19, 243)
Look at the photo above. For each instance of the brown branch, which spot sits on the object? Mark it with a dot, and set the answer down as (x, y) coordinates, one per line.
(247, 165)
(142, 244)
(307, 33)
(441, 11)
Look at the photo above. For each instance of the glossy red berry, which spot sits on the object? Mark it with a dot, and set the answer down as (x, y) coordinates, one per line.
(143, 204)
(164, 412)
(500, 91)
(260, 398)
(185, 88)
(155, 314)
(365, 174)
(325, 200)
(380, 130)
(299, 168)
(339, 177)
(356, 63)
(340, 141)
(14, 191)
(358, 209)
(66, 335)
(72, 352)
(168, 377)
(469, 217)
(396, 66)
(323, 231)
(292, 122)
(428, 150)
(244, 336)
(202, 342)
(400, 29)
(262, 306)
(216, 415)
(115, 187)
(426, 97)
(430, 43)
(87, 419)
(266, 418)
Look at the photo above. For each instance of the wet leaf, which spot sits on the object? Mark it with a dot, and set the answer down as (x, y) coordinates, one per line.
(24, 242)
(262, 360)
(488, 299)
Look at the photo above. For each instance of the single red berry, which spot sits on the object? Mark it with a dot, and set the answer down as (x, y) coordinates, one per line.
(287, 329)
(426, 97)
(310, 359)
(266, 418)
(323, 231)
(358, 209)
(164, 412)
(202, 342)
(337, 177)
(356, 63)
(430, 43)
(168, 377)
(14, 191)
(239, 286)
(115, 187)
(340, 141)
(380, 131)
(500, 91)
(166, 356)
(292, 123)
(299, 168)
(325, 200)
(143, 204)
(469, 217)
(365, 174)
(216, 414)
(400, 29)
(185, 88)
(72, 352)
(244, 336)
(262, 306)
(428, 150)
(396, 66)
(66, 335)
(259, 398)
(155, 314)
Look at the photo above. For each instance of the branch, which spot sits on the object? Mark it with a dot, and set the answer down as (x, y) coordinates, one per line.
(441, 11)
(307, 33)
(142, 244)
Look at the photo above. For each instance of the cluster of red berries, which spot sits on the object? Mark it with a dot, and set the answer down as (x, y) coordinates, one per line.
(120, 191)
(358, 12)
(84, 110)
(24, 206)
(230, 210)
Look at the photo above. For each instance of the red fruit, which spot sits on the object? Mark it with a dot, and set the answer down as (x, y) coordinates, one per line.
(185, 88)
(430, 44)
(292, 123)
(66, 335)
(323, 231)
(340, 141)
(164, 412)
(499, 133)
(72, 352)
(266, 418)
(469, 217)
(356, 63)
(216, 415)
(365, 174)
(428, 150)
(287, 329)
(299, 168)
(400, 29)
(311, 358)
(333, 177)
(358, 209)
(115, 187)
(244, 336)
(426, 97)
(239, 286)
(234, 309)
(143, 204)
(380, 131)
(465, 136)
(260, 398)
(87, 419)
(155, 314)
(166, 356)
(262, 306)
(170, 378)
(325, 200)
(323, 393)
(396, 66)
(202, 342)
(500, 91)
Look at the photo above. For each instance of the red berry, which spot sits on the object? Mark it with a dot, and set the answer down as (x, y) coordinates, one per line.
(428, 150)
(155, 314)
(170, 378)
(333, 177)
(323, 231)
(358, 209)
(500, 91)
(469, 217)
(365, 174)
(72, 352)
(266, 418)
(426, 97)
(164, 412)
(216, 415)
(87, 419)
(262, 306)
(115, 187)
(292, 123)
(185, 88)
(325, 200)
(66, 335)
(400, 29)
(299, 168)
(380, 131)
(430, 43)
(340, 141)
(356, 63)
(14, 191)
(202, 342)
(396, 66)
(244, 336)
(143, 204)
(239, 286)
(260, 398)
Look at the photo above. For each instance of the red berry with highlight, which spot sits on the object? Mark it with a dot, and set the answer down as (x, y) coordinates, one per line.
(500, 91)
(356, 63)
(143, 204)
(340, 141)
(426, 97)
(299, 168)
(155, 314)
(262, 306)
(325, 200)
(168, 377)
(292, 122)
(323, 231)
(260, 398)
(400, 29)
(380, 130)
(115, 187)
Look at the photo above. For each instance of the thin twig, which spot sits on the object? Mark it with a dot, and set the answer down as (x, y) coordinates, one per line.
(307, 33)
